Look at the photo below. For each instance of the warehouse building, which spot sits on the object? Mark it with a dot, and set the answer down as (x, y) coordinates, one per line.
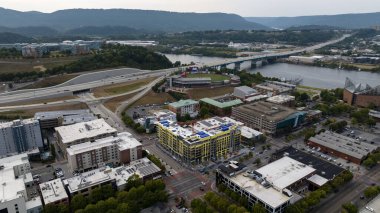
(220, 107)
(272, 88)
(244, 92)
(208, 139)
(341, 146)
(113, 151)
(284, 100)
(267, 117)
(184, 107)
(83, 132)
(274, 186)
(20, 136)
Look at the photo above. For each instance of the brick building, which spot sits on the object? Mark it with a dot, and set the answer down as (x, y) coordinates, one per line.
(359, 95)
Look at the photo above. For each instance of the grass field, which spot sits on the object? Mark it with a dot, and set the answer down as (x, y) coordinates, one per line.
(214, 77)
(28, 65)
(121, 88)
(51, 81)
(200, 93)
(114, 103)
(16, 114)
(153, 98)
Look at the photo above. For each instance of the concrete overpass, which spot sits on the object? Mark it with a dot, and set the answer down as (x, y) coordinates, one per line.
(268, 57)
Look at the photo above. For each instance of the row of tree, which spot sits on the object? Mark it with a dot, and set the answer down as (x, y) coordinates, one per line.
(106, 199)
(305, 204)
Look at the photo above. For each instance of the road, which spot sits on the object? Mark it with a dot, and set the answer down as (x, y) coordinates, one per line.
(350, 193)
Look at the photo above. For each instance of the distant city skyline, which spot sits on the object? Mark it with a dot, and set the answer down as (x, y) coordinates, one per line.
(246, 8)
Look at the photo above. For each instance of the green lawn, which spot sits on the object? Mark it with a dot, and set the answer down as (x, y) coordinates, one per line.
(214, 77)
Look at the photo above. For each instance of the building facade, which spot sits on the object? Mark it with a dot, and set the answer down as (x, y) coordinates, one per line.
(220, 107)
(267, 117)
(209, 139)
(360, 95)
(184, 107)
(20, 136)
(112, 151)
(83, 132)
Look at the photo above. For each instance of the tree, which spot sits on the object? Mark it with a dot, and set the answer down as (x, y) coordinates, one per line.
(371, 192)
(258, 208)
(257, 161)
(78, 202)
(91, 208)
(369, 162)
(204, 113)
(351, 208)
(95, 195)
(133, 182)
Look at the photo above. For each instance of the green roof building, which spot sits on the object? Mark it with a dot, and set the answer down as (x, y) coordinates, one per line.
(220, 108)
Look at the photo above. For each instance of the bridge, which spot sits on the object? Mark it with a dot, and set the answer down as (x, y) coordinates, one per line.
(270, 57)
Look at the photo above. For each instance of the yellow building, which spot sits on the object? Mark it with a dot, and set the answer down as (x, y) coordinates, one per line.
(209, 139)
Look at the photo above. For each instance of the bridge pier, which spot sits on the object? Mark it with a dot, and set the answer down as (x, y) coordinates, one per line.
(237, 66)
(223, 66)
(253, 64)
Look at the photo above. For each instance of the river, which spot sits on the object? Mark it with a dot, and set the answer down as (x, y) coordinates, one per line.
(319, 77)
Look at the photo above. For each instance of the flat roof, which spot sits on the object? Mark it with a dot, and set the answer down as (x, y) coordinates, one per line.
(33, 203)
(284, 172)
(374, 113)
(270, 196)
(88, 179)
(53, 191)
(278, 99)
(318, 180)
(222, 105)
(142, 167)
(269, 110)
(249, 132)
(123, 141)
(341, 143)
(374, 204)
(84, 130)
(256, 98)
(324, 168)
(18, 122)
(62, 113)
(201, 129)
(10, 186)
(183, 103)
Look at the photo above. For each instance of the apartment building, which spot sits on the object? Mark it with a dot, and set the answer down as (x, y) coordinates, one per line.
(83, 132)
(20, 136)
(184, 107)
(208, 139)
(114, 151)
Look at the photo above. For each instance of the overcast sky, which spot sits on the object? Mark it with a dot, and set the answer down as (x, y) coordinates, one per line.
(241, 7)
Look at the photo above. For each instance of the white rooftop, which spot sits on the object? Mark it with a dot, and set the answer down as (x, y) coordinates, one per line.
(256, 98)
(374, 204)
(270, 196)
(249, 132)
(33, 203)
(53, 191)
(318, 180)
(201, 129)
(17, 122)
(284, 172)
(123, 140)
(279, 99)
(88, 179)
(10, 186)
(84, 130)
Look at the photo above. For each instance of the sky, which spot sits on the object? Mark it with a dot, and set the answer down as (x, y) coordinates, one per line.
(246, 8)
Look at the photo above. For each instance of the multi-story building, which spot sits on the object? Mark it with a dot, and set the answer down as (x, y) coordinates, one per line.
(208, 139)
(150, 120)
(244, 92)
(20, 136)
(220, 107)
(53, 192)
(113, 151)
(184, 107)
(267, 117)
(52, 119)
(284, 100)
(117, 177)
(360, 95)
(273, 186)
(83, 132)
(272, 88)
(342, 146)
(15, 177)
